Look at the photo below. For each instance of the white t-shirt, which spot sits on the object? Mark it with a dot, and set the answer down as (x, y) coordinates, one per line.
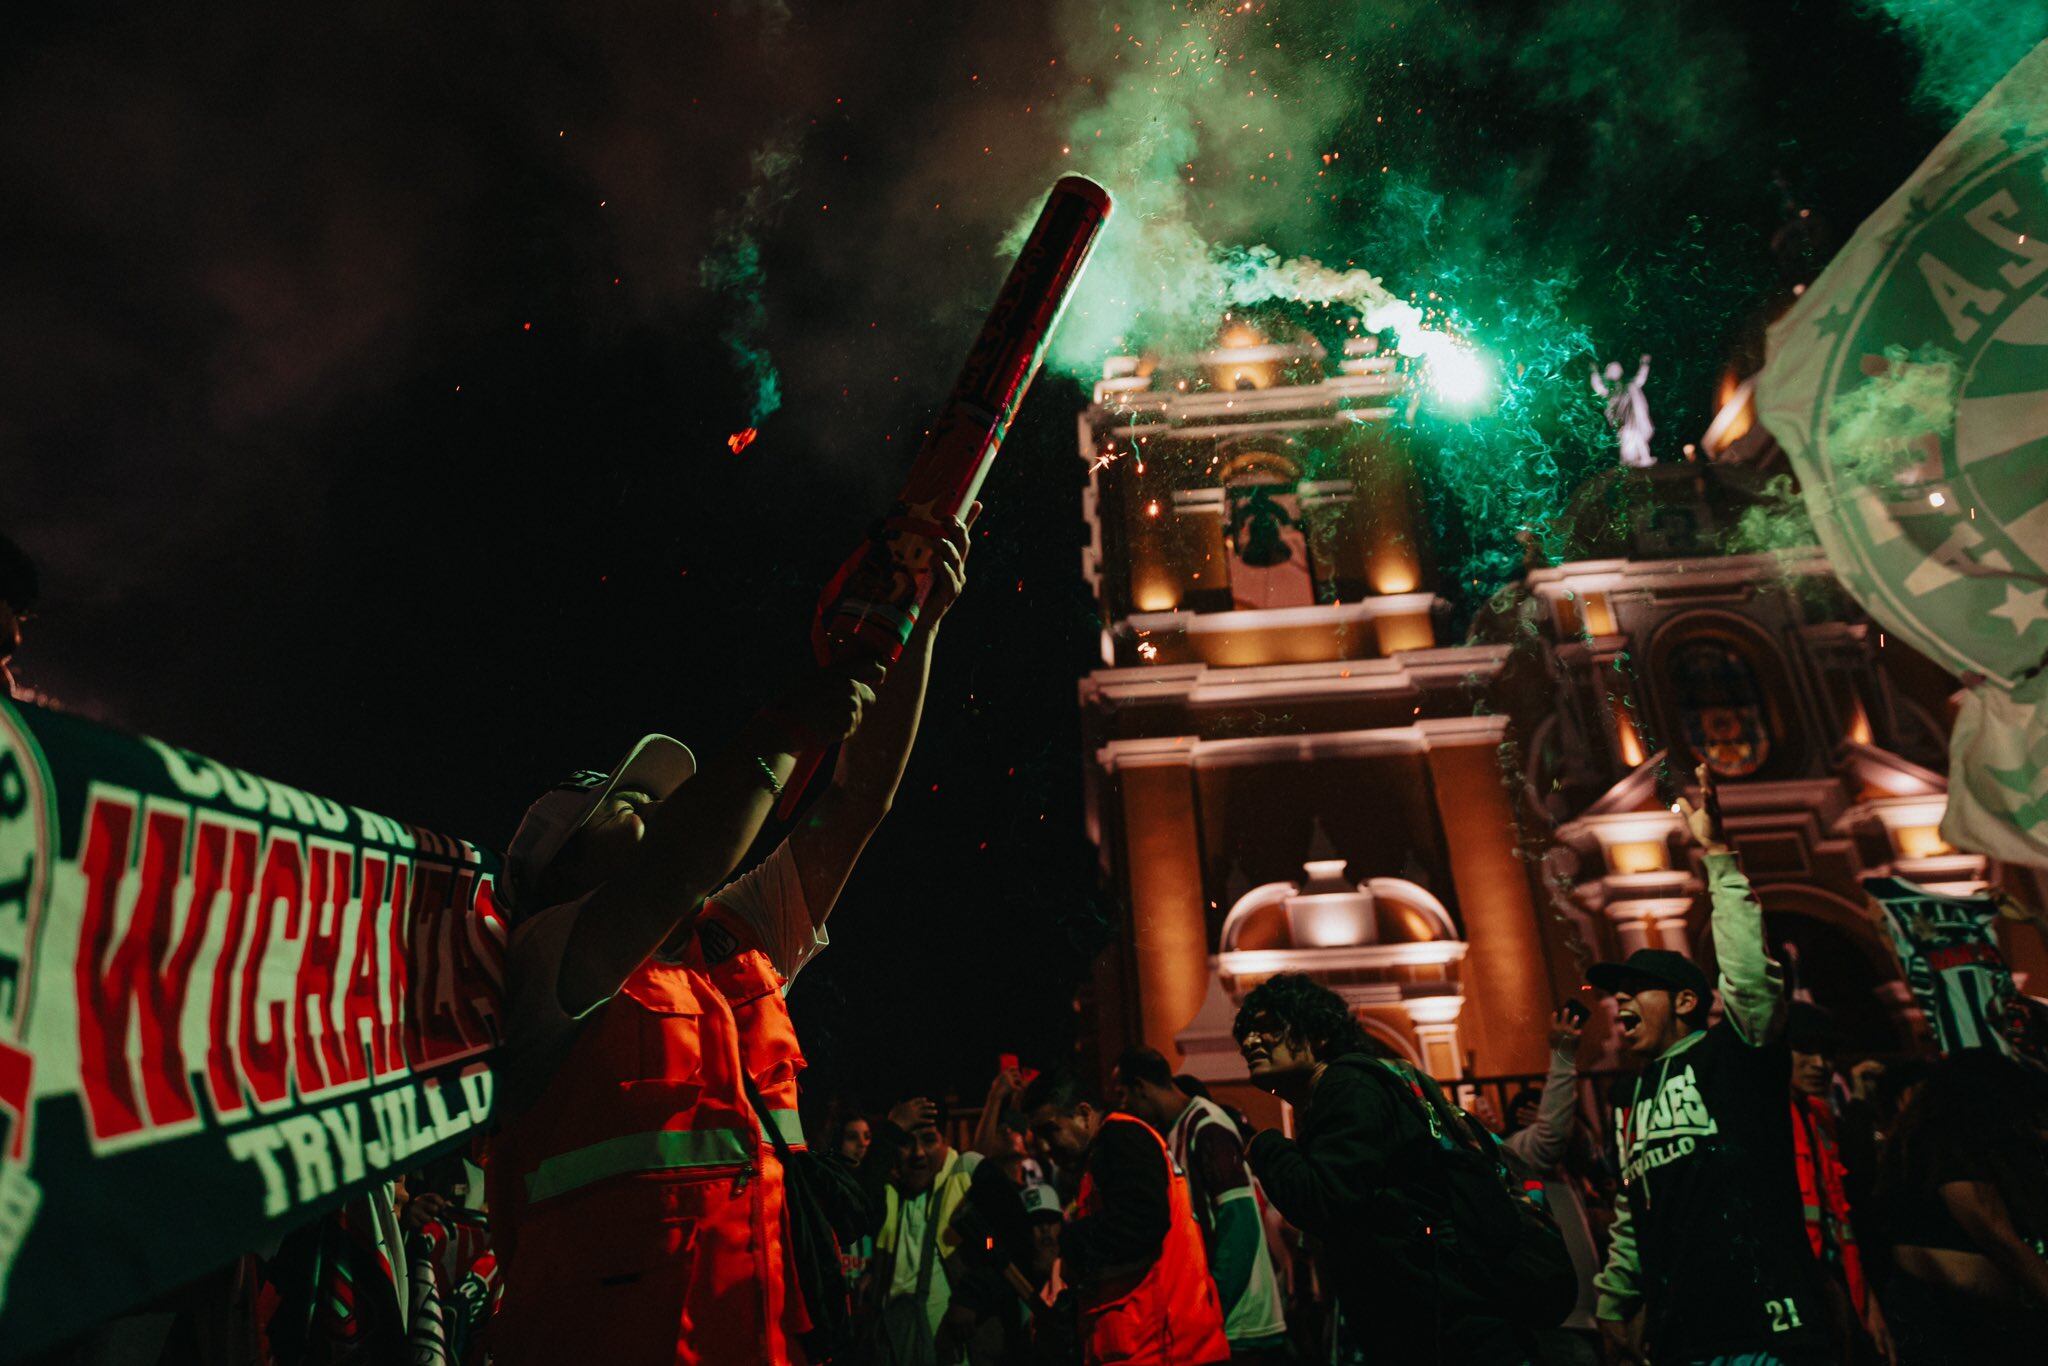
(767, 901)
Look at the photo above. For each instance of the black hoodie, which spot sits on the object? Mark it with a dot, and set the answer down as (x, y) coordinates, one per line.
(1708, 1234)
(1359, 1140)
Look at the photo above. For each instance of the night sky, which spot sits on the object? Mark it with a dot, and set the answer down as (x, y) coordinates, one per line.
(365, 405)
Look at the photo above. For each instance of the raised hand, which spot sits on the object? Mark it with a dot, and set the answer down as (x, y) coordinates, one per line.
(1565, 1028)
(827, 706)
(949, 571)
(1703, 822)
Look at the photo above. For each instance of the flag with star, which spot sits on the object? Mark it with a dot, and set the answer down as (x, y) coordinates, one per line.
(1909, 387)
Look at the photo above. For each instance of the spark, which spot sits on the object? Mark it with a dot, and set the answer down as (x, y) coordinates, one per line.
(741, 439)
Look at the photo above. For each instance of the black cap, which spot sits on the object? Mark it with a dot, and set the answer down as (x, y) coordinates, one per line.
(1654, 969)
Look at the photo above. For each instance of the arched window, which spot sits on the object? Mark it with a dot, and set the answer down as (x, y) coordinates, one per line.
(1720, 707)
(1266, 532)
(1723, 697)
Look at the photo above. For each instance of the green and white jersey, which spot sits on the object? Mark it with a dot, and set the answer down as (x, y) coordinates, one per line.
(1209, 1150)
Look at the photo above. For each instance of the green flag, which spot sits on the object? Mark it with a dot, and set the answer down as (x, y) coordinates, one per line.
(1910, 390)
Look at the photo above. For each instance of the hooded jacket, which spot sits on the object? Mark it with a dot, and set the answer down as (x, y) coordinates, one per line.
(1360, 1164)
(1708, 1234)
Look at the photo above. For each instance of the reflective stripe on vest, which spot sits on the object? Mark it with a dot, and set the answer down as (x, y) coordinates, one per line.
(659, 1151)
(789, 1124)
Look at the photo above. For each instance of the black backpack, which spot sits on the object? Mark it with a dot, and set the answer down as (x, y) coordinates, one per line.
(1490, 1232)
(827, 1209)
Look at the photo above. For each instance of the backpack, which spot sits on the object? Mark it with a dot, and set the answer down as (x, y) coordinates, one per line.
(1491, 1229)
(826, 1208)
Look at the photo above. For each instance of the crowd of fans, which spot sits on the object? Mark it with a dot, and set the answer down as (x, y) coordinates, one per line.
(1732, 1196)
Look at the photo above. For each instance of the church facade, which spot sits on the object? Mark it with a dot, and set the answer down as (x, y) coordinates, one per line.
(1293, 765)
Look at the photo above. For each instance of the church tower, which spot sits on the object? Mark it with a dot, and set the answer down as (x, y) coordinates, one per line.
(1288, 767)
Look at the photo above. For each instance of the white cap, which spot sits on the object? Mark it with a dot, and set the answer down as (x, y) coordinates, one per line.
(656, 765)
(1041, 1199)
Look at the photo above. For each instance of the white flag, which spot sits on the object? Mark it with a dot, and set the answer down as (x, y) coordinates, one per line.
(1910, 390)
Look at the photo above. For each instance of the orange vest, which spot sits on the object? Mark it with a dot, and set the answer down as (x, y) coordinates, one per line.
(1818, 1156)
(1168, 1315)
(637, 1205)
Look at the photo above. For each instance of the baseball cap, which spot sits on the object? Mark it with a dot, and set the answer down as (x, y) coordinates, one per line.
(1651, 968)
(1041, 1201)
(655, 765)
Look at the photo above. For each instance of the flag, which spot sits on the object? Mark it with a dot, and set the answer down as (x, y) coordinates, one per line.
(1909, 388)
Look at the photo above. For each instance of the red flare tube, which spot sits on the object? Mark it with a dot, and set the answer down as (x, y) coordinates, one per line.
(870, 607)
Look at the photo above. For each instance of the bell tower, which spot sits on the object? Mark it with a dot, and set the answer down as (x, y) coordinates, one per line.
(1288, 769)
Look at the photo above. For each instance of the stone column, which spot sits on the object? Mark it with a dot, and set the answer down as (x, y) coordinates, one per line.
(1169, 927)
(1505, 972)
(1435, 1022)
(1632, 928)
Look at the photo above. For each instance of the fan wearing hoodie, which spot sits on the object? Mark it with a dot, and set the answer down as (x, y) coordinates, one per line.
(1709, 1237)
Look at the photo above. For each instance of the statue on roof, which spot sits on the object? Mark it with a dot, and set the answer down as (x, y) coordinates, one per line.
(1628, 412)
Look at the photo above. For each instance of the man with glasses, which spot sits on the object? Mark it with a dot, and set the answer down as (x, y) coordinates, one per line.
(1351, 1178)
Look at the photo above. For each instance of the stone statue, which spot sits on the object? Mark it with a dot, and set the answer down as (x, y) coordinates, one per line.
(1628, 412)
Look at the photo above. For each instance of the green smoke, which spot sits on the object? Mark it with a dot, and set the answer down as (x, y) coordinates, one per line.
(733, 271)
(1965, 46)
(1547, 185)
(1321, 163)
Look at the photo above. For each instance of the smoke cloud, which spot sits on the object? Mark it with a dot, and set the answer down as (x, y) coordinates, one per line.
(1964, 46)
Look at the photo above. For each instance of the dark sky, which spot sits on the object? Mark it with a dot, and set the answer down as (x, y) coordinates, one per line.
(362, 402)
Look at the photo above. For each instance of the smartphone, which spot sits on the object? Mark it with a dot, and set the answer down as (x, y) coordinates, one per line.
(1577, 1009)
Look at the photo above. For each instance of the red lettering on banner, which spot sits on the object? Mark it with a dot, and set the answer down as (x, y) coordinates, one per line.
(486, 926)
(221, 1081)
(264, 1045)
(469, 978)
(103, 1031)
(144, 969)
(398, 963)
(359, 1012)
(1952, 956)
(317, 1047)
(430, 1033)
(166, 1078)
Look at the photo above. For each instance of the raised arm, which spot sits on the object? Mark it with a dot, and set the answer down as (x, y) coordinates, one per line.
(871, 764)
(1752, 984)
(695, 837)
(1619, 1282)
(1541, 1146)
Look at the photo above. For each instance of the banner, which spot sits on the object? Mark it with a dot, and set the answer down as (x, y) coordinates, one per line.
(226, 1006)
(1909, 387)
(1948, 946)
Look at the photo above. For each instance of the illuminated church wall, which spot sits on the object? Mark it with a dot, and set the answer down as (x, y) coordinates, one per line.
(1291, 767)
(1278, 733)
